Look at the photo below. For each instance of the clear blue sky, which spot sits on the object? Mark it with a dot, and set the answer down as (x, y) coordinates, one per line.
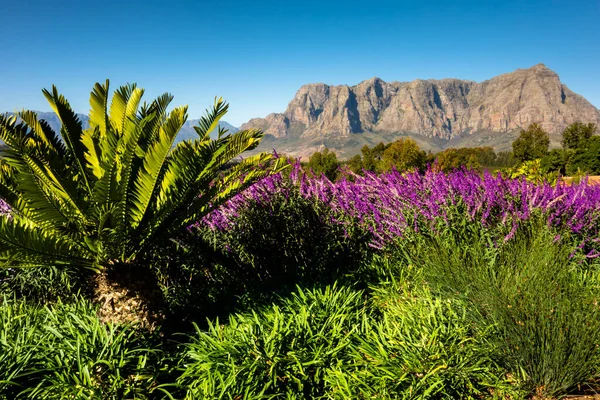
(256, 54)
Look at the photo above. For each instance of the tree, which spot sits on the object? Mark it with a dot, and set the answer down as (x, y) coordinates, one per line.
(403, 154)
(577, 134)
(452, 158)
(554, 161)
(586, 159)
(324, 163)
(372, 157)
(531, 144)
(356, 164)
(103, 197)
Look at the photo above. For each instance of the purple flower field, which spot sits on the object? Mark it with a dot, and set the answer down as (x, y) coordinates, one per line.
(389, 204)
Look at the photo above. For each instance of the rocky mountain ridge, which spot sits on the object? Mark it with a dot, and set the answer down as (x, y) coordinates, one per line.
(443, 109)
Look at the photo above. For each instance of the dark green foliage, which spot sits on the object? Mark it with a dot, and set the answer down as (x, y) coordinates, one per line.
(531, 144)
(541, 300)
(586, 159)
(324, 163)
(355, 164)
(43, 284)
(293, 239)
(555, 161)
(472, 157)
(577, 134)
(270, 248)
(64, 351)
(504, 159)
(403, 154)
(372, 157)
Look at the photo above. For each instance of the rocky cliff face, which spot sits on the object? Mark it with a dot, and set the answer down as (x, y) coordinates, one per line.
(434, 108)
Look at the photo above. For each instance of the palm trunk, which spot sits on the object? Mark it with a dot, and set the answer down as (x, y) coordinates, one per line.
(129, 294)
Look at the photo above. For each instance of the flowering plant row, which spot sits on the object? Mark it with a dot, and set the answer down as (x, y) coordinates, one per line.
(389, 204)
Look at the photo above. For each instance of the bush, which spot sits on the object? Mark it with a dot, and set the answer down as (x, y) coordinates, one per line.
(423, 348)
(284, 350)
(533, 288)
(332, 343)
(64, 351)
(266, 250)
(43, 284)
(293, 239)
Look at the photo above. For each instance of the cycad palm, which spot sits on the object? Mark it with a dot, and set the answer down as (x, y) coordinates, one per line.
(105, 195)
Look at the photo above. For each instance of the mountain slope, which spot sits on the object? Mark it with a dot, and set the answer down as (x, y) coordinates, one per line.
(438, 112)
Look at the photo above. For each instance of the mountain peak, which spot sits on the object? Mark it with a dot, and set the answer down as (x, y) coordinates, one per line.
(537, 68)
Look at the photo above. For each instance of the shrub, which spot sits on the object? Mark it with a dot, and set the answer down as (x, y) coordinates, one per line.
(264, 249)
(292, 239)
(539, 295)
(43, 284)
(423, 347)
(64, 351)
(284, 350)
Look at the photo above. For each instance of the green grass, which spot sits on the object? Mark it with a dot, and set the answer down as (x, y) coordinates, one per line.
(64, 351)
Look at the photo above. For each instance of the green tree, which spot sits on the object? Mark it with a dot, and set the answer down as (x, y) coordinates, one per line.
(103, 197)
(577, 134)
(531, 144)
(586, 159)
(554, 161)
(403, 154)
(324, 163)
(452, 158)
(372, 157)
(356, 164)
(504, 159)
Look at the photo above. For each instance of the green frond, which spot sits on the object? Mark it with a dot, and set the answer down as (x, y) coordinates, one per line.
(124, 105)
(11, 132)
(8, 190)
(156, 156)
(134, 129)
(158, 108)
(42, 130)
(99, 107)
(24, 244)
(51, 157)
(210, 121)
(71, 131)
(93, 156)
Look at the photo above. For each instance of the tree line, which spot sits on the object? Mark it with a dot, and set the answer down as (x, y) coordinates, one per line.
(580, 153)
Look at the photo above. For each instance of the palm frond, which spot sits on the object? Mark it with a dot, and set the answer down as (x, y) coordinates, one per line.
(99, 107)
(210, 121)
(156, 156)
(26, 245)
(71, 131)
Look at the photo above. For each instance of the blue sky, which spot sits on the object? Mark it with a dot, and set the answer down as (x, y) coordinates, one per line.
(256, 54)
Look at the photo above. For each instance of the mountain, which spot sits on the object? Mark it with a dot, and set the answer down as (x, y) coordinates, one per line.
(437, 113)
(186, 132)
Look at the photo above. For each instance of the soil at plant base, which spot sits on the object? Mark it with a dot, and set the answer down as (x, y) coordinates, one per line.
(129, 294)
